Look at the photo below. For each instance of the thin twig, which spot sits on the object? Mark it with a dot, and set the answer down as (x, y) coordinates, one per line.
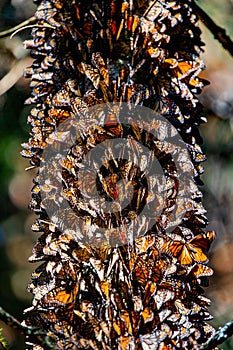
(10, 31)
(22, 28)
(40, 335)
(11, 320)
(218, 32)
(222, 334)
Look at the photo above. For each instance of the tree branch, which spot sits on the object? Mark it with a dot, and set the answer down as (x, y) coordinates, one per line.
(9, 31)
(218, 32)
(39, 335)
(222, 334)
(11, 320)
(15, 73)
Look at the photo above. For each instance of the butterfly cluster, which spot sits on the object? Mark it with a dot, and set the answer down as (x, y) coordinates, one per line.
(146, 293)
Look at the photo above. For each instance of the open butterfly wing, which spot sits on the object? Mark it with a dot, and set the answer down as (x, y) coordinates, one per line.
(203, 241)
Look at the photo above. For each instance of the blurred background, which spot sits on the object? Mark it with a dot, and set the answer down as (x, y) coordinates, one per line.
(16, 238)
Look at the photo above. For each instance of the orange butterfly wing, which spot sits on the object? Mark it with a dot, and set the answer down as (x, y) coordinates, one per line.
(174, 247)
(186, 253)
(196, 246)
(185, 257)
(200, 270)
(203, 241)
(197, 254)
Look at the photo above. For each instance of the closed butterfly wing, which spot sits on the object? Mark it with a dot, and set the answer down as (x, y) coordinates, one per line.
(200, 270)
(91, 73)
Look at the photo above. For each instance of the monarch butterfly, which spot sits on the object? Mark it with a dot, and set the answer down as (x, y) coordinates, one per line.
(140, 270)
(142, 244)
(172, 284)
(112, 124)
(163, 296)
(26, 153)
(200, 270)
(100, 64)
(208, 330)
(126, 342)
(196, 153)
(147, 315)
(203, 301)
(46, 10)
(192, 251)
(160, 267)
(91, 73)
(31, 44)
(149, 341)
(58, 114)
(48, 62)
(61, 98)
(184, 68)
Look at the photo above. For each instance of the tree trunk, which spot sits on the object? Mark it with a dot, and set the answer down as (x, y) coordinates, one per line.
(107, 76)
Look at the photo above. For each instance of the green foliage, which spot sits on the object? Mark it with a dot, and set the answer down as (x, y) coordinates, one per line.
(3, 342)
